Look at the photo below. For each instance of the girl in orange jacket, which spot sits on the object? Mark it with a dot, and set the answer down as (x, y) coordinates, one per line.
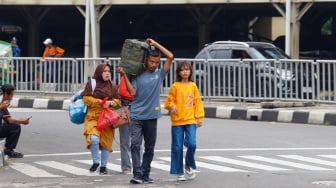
(186, 113)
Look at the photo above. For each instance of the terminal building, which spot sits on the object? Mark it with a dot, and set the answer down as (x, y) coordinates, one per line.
(97, 28)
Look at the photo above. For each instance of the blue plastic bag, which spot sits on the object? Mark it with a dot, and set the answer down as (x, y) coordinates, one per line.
(77, 107)
(77, 111)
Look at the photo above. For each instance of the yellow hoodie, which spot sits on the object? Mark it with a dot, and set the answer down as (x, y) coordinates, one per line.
(187, 100)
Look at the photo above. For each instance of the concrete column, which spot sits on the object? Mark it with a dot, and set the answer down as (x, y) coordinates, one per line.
(93, 22)
(98, 36)
(34, 40)
(204, 17)
(33, 16)
(295, 32)
(298, 10)
(288, 27)
(100, 12)
(203, 35)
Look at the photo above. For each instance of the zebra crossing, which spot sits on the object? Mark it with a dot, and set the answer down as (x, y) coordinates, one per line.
(232, 164)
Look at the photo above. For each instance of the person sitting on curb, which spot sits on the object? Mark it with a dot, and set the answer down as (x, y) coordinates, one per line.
(10, 128)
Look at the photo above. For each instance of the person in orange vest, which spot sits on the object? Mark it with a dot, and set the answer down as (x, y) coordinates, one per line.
(50, 51)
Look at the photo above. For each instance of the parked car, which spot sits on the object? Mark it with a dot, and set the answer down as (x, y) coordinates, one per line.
(258, 76)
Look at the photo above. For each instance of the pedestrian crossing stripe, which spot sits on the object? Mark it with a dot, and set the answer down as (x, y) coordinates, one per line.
(66, 168)
(285, 163)
(243, 164)
(110, 166)
(32, 171)
(328, 156)
(310, 160)
(160, 165)
(212, 166)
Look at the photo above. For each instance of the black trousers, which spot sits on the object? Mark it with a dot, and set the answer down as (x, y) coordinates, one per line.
(12, 134)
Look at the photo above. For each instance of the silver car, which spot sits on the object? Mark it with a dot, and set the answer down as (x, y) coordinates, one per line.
(245, 69)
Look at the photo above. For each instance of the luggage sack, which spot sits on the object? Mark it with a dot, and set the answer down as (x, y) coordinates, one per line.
(133, 56)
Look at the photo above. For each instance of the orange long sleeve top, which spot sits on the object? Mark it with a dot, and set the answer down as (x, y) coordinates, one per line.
(187, 100)
(52, 51)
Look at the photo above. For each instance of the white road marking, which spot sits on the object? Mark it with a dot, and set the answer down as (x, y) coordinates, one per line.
(109, 166)
(286, 163)
(32, 171)
(35, 171)
(266, 149)
(328, 156)
(66, 168)
(57, 154)
(212, 166)
(198, 150)
(309, 159)
(160, 165)
(243, 163)
(14, 109)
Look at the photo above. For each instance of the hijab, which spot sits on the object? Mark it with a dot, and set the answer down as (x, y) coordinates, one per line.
(103, 88)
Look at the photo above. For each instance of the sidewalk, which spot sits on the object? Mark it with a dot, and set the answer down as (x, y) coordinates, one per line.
(290, 112)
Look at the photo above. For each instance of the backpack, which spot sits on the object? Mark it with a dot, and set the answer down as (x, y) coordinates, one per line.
(77, 107)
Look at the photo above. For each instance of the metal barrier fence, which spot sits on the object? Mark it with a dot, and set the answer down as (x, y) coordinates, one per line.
(233, 79)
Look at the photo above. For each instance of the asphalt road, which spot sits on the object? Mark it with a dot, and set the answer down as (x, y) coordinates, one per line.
(230, 153)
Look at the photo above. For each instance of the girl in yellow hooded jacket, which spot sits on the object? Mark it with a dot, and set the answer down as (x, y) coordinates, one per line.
(186, 113)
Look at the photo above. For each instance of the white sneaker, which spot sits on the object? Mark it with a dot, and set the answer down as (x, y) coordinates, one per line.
(190, 173)
(181, 177)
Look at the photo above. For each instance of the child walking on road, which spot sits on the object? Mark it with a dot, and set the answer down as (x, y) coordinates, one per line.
(186, 113)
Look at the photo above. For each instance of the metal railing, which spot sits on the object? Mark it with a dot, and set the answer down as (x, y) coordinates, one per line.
(233, 79)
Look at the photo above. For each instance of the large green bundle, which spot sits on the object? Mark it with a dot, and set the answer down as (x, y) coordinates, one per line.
(133, 55)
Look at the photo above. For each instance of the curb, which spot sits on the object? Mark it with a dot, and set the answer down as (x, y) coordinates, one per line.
(272, 115)
(2, 155)
(40, 103)
(305, 116)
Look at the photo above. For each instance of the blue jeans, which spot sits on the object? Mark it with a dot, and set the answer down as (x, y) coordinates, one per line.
(183, 135)
(94, 148)
(146, 129)
(125, 147)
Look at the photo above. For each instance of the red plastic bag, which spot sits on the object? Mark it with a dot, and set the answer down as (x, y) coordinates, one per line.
(107, 118)
(123, 92)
